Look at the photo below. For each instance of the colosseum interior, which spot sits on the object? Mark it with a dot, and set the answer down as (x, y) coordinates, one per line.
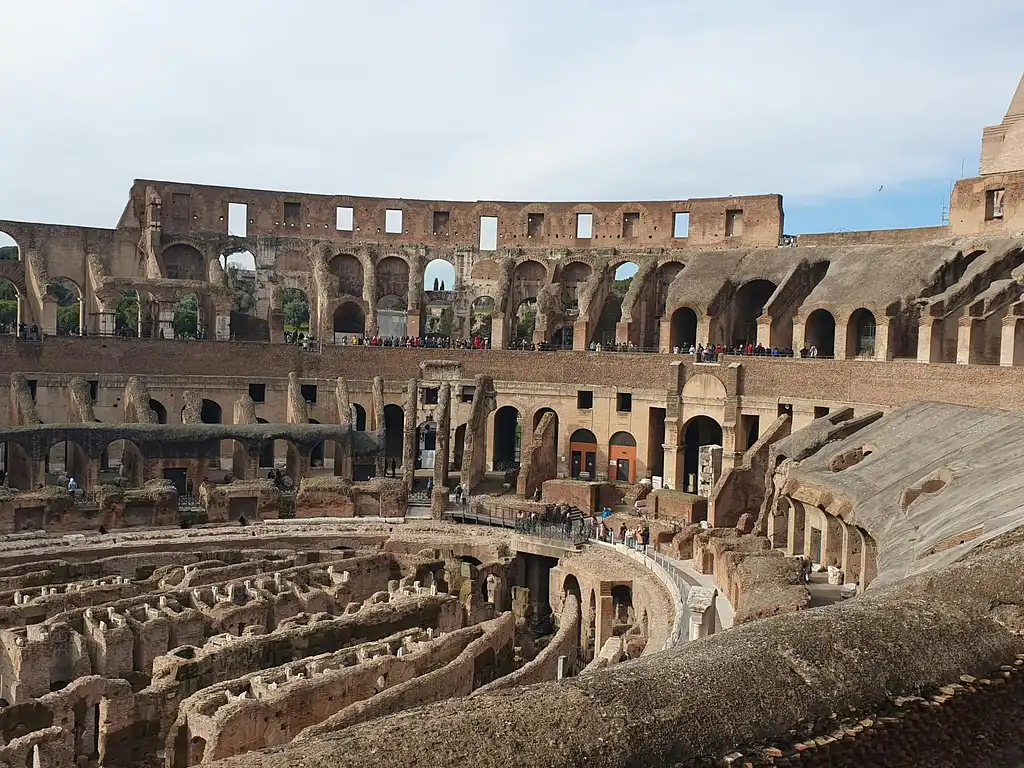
(644, 483)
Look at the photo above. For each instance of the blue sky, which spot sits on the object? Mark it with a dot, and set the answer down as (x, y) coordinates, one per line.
(576, 100)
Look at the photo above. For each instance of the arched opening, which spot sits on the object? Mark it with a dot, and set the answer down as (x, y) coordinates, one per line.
(125, 463)
(349, 321)
(622, 607)
(126, 315)
(540, 415)
(525, 321)
(684, 329)
(184, 262)
(748, 306)
(70, 318)
(508, 438)
(295, 310)
(622, 457)
(458, 447)
(69, 459)
(480, 314)
(240, 261)
(426, 445)
(698, 432)
(349, 271)
(16, 468)
(186, 323)
(571, 586)
(9, 250)
(394, 428)
(527, 279)
(582, 455)
(240, 268)
(571, 279)
(590, 630)
(860, 334)
(439, 276)
(10, 302)
(158, 408)
(358, 417)
(210, 412)
(562, 337)
(820, 333)
(392, 318)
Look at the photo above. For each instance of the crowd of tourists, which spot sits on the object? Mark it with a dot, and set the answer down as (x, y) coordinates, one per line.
(23, 331)
(412, 342)
(711, 352)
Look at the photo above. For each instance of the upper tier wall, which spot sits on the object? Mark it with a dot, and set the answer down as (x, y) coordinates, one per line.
(736, 222)
(877, 383)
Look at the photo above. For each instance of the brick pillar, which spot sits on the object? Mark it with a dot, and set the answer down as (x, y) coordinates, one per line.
(49, 320)
(605, 618)
(799, 335)
(665, 336)
(764, 332)
(883, 339)
(967, 328)
(1011, 343)
(797, 528)
(929, 348)
(223, 327)
(580, 340)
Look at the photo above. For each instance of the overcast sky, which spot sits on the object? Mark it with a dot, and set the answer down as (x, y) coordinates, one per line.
(823, 102)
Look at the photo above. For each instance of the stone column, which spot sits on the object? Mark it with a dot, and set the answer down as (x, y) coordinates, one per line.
(799, 334)
(967, 328)
(665, 336)
(377, 421)
(605, 619)
(107, 323)
(764, 332)
(48, 326)
(797, 526)
(409, 433)
(1011, 342)
(223, 327)
(701, 602)
(442, 455)
(580, 342)
(928, 351)
(883, 342)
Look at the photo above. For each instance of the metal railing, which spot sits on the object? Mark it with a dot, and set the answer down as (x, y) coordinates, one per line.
(575, 532)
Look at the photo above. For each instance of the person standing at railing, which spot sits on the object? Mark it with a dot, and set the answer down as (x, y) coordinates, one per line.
(645, 537)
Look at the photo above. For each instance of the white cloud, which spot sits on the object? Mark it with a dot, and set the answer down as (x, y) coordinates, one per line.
(494, 100)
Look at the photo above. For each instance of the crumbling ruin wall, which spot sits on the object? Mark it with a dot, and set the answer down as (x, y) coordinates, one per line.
(544, 667)
(344, 449)
(245, 411)
(80, 395)
(23, 405)
(378, 421)
(540, 461)
(136, 403)
(253, 499)
(192, 413)
(474, 458)
(456, 665)
(741, 489)
(409, 410)
(297, 410)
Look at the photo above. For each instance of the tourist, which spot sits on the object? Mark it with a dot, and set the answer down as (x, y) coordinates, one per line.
(645, 537)
(622, 533)
(458, 494)
(72, 487)
(630, 538)
(430, 486)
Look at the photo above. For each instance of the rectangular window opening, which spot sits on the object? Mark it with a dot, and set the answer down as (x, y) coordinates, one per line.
(308, 393)
(584, 226)
(393, 221)
(344, 218)
(94, 390)
(467, 394)
(734, 223)
(785, 409)
(994, 204)
(488, 233)
(624, 402)
(430, 396)
(292, 214)
(535, 225)
(258, 393)
(584, 399)
(238, 219)
(630, 224)
(750, 427)
(32, 387)
(442, 220)
(820, 411)
(680, 225)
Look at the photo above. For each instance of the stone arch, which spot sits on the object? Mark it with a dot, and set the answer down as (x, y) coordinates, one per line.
(237, 256)
(622, 457)
(860, 334)
(571, 586)
(358, 417)
(524, 320)
(820, 332)
(393, 279)
(70, 458)
(684, 328)
(697, 432)
(440, 271)
(126, 461)
(9, 248)
(563, 336)
(210, 412)
(746, 307)
(527, 279)
(187, 321)
(296, 309)
(582, 454)
(508, 438)
(158, 408)
(349, 271)
(70, 315)
(182, 261)
(482, 314)
(349, 320)
(704, 386)
(571, 278)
